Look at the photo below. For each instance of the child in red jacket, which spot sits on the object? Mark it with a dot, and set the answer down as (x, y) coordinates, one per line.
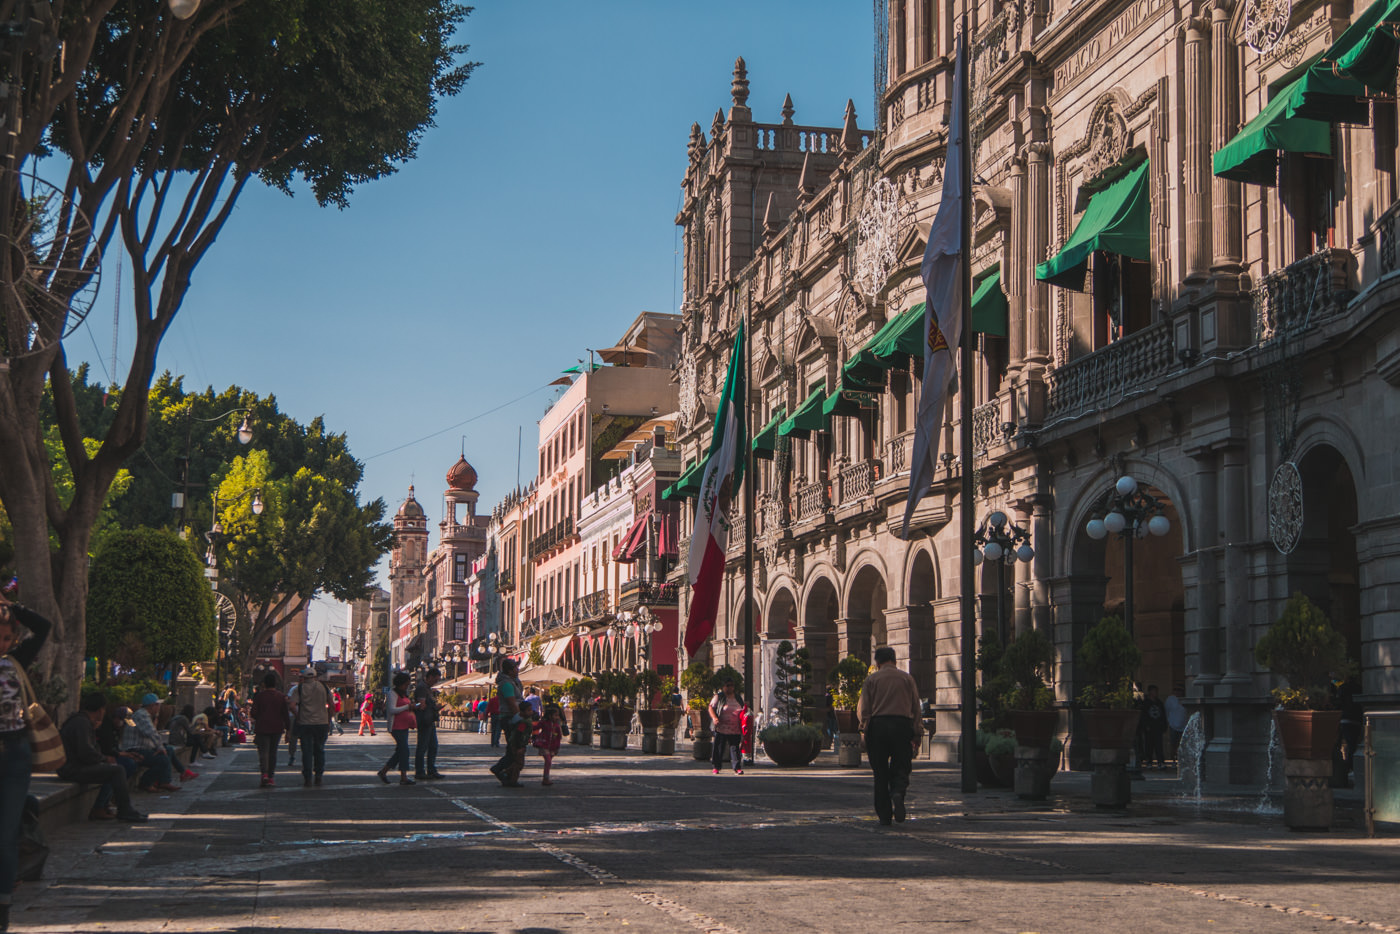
(548, 734)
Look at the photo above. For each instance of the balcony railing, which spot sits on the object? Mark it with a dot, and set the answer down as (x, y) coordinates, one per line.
(856, 481)
(590, 606)
(897, 456)
(812, 501)
(558, 533)
(1105, 376)
(505, 582)
(1302, 294)
(642, 592)
(988, 430)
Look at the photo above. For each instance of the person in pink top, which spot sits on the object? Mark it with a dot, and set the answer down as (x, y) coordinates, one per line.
(398, 710)
(548, 734)
(729, 732)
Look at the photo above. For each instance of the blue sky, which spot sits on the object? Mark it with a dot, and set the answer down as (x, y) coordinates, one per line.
(537, 221)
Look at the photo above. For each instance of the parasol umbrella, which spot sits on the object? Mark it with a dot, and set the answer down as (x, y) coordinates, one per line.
(547, 674)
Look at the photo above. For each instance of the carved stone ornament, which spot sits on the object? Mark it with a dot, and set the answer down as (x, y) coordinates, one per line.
(884, 221)
(1108, 138)
(1265, 22)
(1286, 507)
(687, 388)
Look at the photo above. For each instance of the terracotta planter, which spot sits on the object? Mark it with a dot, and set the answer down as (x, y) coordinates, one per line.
(1308, 734)
(1035, 728)
(846, 722)
(653, 720)
(792, 752)
(1111, 729)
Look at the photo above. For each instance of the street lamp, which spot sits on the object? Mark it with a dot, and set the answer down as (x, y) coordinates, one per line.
(1132, 513)
(179, 498)
(1003, 542)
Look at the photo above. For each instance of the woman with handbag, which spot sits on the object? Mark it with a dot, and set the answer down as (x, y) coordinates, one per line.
(16, 696)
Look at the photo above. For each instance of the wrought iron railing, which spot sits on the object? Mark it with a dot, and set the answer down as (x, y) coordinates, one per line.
(505, 582)
(1107, 375)
(1302, 294)
(1389, 229)
(556, 534)
(650, 592)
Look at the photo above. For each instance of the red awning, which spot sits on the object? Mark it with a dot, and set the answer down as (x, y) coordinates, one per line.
(632, 543)
(668, 532)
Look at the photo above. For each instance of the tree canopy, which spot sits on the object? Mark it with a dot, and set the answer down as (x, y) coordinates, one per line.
(151, 127)
(148, 596)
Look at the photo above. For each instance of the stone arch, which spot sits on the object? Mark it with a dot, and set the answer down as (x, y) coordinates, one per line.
(1322, 429)
(921, 584)
(1094, 492)
(1325, 565)
(863, 626)
(780, 618)
(821, 606)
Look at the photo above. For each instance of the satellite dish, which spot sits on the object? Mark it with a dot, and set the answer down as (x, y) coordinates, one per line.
(50, 269)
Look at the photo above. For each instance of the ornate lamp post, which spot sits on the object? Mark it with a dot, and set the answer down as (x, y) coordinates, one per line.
(1132, 513)
(1003, 542)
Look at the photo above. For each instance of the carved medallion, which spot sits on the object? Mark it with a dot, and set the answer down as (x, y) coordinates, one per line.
(1286, 508)
(687, 387)
(1265, 22)
(1108, 138)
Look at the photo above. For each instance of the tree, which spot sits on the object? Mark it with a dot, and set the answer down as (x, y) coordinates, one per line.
(148, 590)
(154, 126)
(379, 670)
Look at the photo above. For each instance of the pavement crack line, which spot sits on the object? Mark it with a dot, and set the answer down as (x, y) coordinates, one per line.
(684, 914)
(1282, 909)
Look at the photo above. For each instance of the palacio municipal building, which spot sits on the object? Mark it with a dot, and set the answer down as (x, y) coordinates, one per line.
(1184, 267)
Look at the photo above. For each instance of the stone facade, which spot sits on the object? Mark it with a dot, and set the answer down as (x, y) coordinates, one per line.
(1256, 331)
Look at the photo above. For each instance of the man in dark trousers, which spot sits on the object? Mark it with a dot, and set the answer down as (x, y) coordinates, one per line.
(85, 763)
(890, 722)
(425, 708)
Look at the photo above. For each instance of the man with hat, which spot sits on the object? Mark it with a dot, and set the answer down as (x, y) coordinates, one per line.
(312, 709)
(143, 743)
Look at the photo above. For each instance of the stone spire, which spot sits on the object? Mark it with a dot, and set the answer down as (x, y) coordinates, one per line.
(788, 110)
(850, 133)
(739, 89)
(806, 185)
(770, 216)
(717, 128)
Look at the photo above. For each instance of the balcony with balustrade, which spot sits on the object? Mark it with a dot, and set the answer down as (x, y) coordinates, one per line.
(1303, 295)
(640, 592)
(556, 535)
(1113, 373)
(813, 502)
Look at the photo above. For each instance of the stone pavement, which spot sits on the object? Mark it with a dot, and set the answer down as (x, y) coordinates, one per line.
(623, 840)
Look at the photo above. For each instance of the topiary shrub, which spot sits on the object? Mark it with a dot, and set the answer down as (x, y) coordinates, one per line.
(1307, 651)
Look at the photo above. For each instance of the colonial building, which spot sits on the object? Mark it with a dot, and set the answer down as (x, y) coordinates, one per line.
(1183, 249)
(367, 622)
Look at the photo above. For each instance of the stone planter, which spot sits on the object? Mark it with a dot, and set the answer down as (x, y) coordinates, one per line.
(621, 724)
(1309, 738)
(702, 741)
(848, 750)
(1111, 737)
(790, 753)
(581, 726)
(1035, 730)
(652, 721)
(602, 732)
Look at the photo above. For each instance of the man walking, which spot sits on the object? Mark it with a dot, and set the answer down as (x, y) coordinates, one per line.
(425, 707)
(312, 709)
(889, 713)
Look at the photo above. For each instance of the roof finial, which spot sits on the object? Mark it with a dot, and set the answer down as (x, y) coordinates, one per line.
(770, 215)
(788, 110)
(805, 185)
(717, 127)
(696, 148)
(739, 90)
(850, 133)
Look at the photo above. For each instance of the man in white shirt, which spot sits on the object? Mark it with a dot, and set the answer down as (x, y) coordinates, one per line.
(312, 709)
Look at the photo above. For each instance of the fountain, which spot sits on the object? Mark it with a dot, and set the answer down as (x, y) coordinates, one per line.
(1190, 753)
(1275, 753)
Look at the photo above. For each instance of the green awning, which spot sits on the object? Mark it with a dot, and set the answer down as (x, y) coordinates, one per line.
(902, 337)
(849, 399)
(687, 485)
(808, 417)
(1252, 156)
(766, 441)
(1323, 94)
(1116, 221)
(1368, 50)
(989, 308)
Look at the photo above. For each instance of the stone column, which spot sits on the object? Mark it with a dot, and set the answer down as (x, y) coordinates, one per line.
(1042, 540)
(853, 638)
(1234, 523)
(1207, 630)
(1013, 278)
(1227, 239)
(1038, 198)
(1197, 168)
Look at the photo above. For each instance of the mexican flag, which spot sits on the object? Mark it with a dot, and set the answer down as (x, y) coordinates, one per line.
(719, 485)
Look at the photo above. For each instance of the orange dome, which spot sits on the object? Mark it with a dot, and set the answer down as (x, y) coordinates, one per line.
(462, 477)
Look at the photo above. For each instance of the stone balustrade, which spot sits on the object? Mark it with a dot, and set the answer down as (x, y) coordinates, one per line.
(1303, 294)
(1105, 376)
(812, 501)
(857, 481)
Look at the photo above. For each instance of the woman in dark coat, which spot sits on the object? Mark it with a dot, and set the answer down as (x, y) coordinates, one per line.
(16, 655)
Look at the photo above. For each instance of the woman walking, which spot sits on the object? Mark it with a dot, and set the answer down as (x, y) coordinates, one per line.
(367, 714)
(725, 710)
(398, 710)
(271, 716)
(514, 720)
(15, 762)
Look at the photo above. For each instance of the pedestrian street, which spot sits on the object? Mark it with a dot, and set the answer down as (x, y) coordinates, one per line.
(659, 844)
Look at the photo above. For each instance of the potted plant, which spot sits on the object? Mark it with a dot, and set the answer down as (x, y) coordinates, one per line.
(789, 741)
(1109, 657)
(845, 682)
(1029, 703)
(1303, 647)
(698, 683)
(581, 692)
(621, 688)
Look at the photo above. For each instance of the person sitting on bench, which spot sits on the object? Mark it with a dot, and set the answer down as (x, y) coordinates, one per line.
(140, 738)
(86, 763)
